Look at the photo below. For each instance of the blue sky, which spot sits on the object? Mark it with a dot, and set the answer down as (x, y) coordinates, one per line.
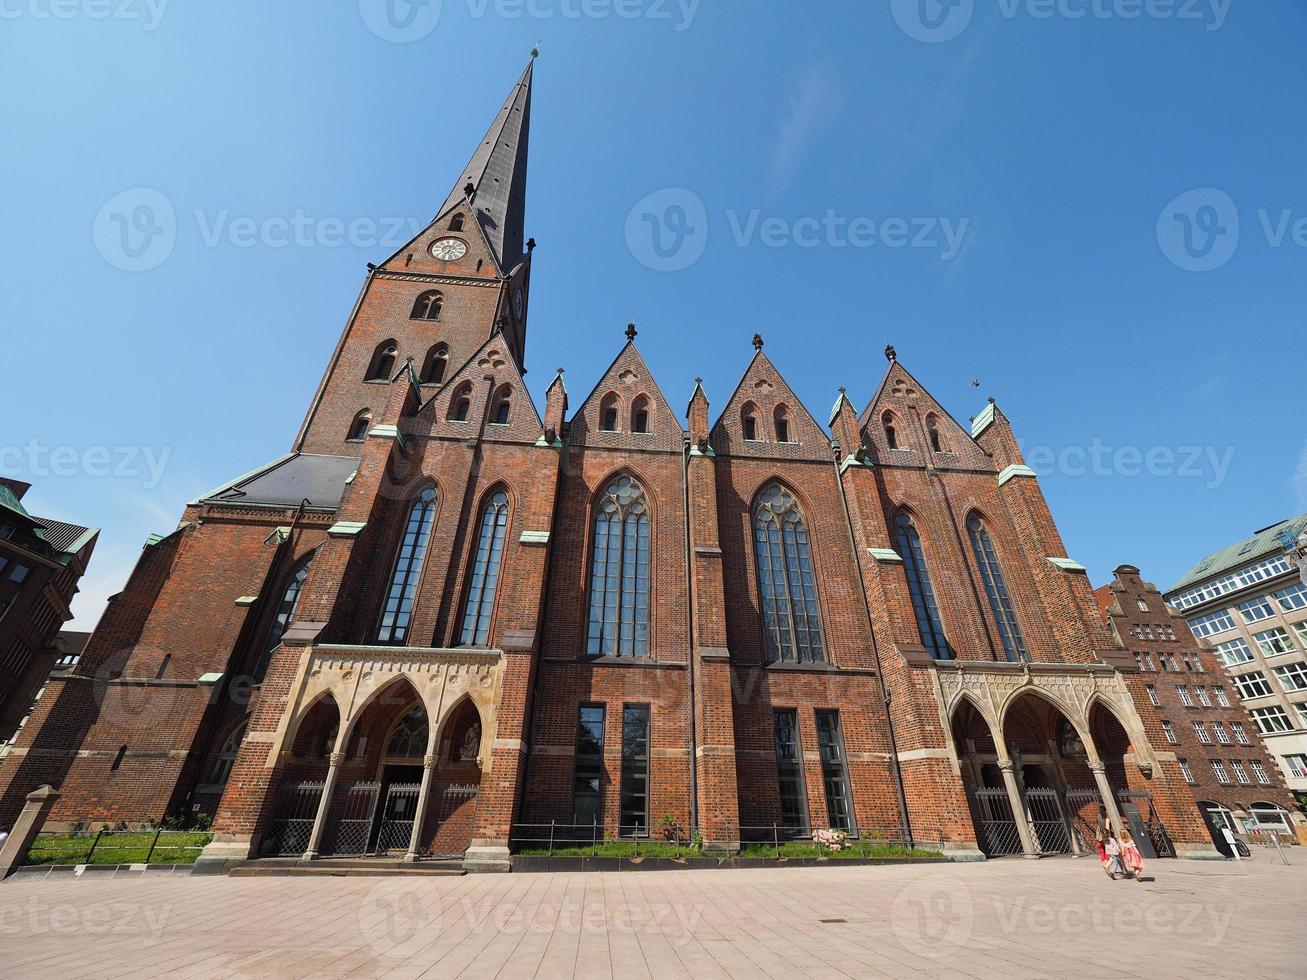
(995, 191)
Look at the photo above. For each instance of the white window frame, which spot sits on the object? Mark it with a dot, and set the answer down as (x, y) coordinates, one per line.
(1186, 771)
(1183, 693)
(1169, 731)
(1256, 609)
(1259, 771)
(1152, 695)
(1240, 773)
(1201, 731)
(1275, 714)
(1222, 777)
(1298, 673)
(1250, 685)
(1222, 736)
(1219, 693)
(1240, 733)
(1275, 642)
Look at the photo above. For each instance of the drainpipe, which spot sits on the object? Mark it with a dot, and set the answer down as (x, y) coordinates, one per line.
(875, 651)
(689, 618)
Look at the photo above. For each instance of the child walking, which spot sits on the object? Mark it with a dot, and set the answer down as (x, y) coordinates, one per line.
(1130, 856)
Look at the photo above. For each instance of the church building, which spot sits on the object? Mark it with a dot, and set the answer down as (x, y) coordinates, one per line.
(450, 621)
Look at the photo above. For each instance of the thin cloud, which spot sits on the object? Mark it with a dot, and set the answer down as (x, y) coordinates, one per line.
(811, 107)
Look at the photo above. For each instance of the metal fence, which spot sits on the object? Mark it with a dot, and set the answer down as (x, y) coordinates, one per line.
(354, 828)
(997, 831)
(156, 846)
(1049, 823)
(295, 810)
(398, 817)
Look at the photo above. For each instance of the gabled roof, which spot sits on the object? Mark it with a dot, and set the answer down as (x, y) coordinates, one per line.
(494, 357)
(67, 538)
(629, 377)
(498, 172)
(287, 481)
(763, 385)
(1265, 542)
(899, 388)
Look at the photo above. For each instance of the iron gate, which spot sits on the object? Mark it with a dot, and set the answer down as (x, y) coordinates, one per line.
(1052, 834)
(1139, 804)
(1083, 827)
(397, 817)
(296, 809)
(355, 826)
(450, 800)
(998, 829)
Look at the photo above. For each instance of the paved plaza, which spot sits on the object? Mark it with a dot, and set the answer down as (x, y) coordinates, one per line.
(1011, 919)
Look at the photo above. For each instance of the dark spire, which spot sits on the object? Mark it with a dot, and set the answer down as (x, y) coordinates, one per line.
(495, 178)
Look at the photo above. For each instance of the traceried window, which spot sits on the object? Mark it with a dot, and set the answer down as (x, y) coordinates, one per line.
(437, 362)
(408, 739)
(382, 365)
(398, 611)
(460, 406)
(290, 601)
(1000, 603)
(929, 625)
(787, 585)
(502, 407)
(891, 430)
(619, 573)
(486, 565)
(428, 306)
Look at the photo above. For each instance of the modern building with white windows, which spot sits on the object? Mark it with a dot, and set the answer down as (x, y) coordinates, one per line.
(1249, 603)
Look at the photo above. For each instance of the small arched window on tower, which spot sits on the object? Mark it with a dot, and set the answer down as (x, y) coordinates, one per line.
(891, 430)
(502, 408)
(433, 368)
(427, 306)
(932, 431)
(456, 222)
(781, 421)
(358, 429)
(640, 415)
(460, 406)
(608, 414)
(382, 365)
(749, 422)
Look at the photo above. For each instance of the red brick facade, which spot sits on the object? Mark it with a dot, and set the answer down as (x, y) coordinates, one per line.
(178, 648)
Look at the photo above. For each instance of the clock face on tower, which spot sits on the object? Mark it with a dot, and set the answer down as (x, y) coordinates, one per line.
(517, 303)
(448, 249)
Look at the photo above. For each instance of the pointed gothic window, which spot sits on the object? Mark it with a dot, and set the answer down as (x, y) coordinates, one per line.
(427, 306)
(619, 573)
(891, 432)
(486, 565)
(781, 420)
(932, 430)
(640, 415)
(382, 365)
(608, 414)
(1000, 603)
(787, 585)
(929, 625)
(358, 429)
(231, 747)
(398, 611)
(460, 406)
(749, 422)
(290, 602)
(433, 369)
(408, 739)
(456, 223)
(503, 406)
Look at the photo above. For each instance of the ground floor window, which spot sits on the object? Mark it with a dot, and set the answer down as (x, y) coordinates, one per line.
(789, 770)
(830, 739)
(1268, 816)
(588, 772)
(635, 770)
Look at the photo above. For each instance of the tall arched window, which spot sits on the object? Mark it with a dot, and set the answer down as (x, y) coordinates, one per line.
(932, 430)
(433, 368)
(1000, 603)
(227, 755)
(290, 601)
(891, 431)
(398, 612)
(640, 415)
(608, 414)
(929, 625)
(502, 406)
(749, 421)
(791, 617)
(382, 365)
(781, 422)
(428, 306)
(456, 223)
(619, 573)
(460, 406)
(358, 429)
(486, 564)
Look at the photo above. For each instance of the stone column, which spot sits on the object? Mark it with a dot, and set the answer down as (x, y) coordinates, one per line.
(324, 804)
(1105, 791)
(1018, 808)
(26, 827)
(414, 841)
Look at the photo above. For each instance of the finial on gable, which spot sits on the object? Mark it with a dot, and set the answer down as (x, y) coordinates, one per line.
(891, 354)
(757, 341)
(631, 331)
(469, 190)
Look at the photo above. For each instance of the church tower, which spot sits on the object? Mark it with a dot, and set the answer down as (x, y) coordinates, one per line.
(440, 297)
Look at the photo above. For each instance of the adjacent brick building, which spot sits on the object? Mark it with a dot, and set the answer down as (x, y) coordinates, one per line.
(1218, 747)
(41, 562)
(447, 621)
